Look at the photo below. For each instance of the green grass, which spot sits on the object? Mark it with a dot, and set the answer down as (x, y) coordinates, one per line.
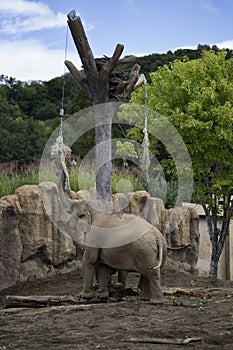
(192, 303)
(122, 180)
(126, 181)
(9, 182)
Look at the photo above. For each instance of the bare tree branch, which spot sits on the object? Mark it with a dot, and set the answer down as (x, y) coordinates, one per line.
(111, 64)
(79, 76)
(84, 51)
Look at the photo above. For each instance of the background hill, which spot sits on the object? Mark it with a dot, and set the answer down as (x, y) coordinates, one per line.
(29, 111)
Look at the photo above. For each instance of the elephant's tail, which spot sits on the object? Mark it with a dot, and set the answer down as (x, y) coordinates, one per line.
(160, 253)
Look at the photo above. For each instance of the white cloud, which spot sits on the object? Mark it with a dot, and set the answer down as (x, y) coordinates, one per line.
(227, 44)
(35, 62)
(21, 16)
(191, 47)
(23, 7)
(28, 58)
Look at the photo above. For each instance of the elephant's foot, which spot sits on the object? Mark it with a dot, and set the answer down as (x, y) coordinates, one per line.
(87, 294)
(103, 294)
(157, 301)
(144, 298)
(145, 295)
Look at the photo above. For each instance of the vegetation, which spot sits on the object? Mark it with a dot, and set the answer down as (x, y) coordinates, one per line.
(121, 179)
(197, 98)
(29, 111)
(9, 182)
(153, 62)
(193, 89)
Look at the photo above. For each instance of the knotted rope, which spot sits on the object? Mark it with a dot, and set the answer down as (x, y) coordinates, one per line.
(145, 160)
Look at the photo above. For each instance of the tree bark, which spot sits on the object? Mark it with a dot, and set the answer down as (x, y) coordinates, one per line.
(103, 153)
(217, 235)
(85, 52)
(96, 81)
(213, 273)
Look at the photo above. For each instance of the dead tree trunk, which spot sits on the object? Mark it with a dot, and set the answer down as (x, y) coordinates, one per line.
(102, 85)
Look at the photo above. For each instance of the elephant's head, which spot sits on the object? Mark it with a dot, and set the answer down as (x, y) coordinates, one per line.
(80, 211)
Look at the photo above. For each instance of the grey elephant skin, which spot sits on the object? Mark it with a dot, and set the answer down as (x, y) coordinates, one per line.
(123, 242)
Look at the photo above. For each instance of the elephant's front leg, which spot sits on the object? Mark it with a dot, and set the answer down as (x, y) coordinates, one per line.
(122, 277)
(90, 259)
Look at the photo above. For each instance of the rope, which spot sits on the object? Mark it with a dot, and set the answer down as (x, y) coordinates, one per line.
(145, 162)
(60, 153)
(63, 84)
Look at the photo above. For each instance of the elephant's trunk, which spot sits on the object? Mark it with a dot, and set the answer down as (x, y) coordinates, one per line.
(63, 193)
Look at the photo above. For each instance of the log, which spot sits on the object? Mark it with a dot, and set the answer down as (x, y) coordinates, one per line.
(84, 50)
(127, 59)
(80, 77)
(139, 83)
(12, 301)
(133, 78)
(165, 341)
(111, 64)
(41, 301)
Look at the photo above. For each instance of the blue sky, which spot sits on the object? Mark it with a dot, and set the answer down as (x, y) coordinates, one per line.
(32, 33)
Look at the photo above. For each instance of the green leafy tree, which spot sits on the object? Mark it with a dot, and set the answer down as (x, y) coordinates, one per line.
(126, 151)
(29, 113)
(197, 98)
(22, 138)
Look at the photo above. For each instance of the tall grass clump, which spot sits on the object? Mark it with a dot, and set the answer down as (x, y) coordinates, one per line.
(123, 180)
(82, 180)
(10, 181)
(126, 180)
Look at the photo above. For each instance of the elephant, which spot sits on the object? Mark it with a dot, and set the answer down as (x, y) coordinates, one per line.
(122, 242)
(114, 241)
(142, 247)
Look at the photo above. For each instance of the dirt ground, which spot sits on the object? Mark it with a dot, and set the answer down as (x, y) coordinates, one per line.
(197, 314)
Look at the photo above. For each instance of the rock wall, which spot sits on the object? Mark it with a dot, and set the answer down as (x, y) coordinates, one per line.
(34, 246)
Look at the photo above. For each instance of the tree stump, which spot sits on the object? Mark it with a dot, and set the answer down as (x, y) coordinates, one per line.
(102, 85)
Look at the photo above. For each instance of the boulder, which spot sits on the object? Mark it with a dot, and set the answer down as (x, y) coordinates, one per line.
(40, 236)
(31, 245)
(11, 247)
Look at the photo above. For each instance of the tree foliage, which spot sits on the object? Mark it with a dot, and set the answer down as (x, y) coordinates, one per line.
(36, 105)
(197, 98)
(29, 113)
(151, 63)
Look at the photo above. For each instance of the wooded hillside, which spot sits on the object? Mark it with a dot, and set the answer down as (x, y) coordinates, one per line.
(29, 111)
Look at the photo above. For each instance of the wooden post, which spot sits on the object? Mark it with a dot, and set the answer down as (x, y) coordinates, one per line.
(102, 85)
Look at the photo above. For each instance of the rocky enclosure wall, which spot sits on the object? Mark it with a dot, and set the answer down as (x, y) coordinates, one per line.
(33, 247)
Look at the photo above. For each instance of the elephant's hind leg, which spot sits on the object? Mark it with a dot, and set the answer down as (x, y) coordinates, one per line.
(155, 286)
(144, 287)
